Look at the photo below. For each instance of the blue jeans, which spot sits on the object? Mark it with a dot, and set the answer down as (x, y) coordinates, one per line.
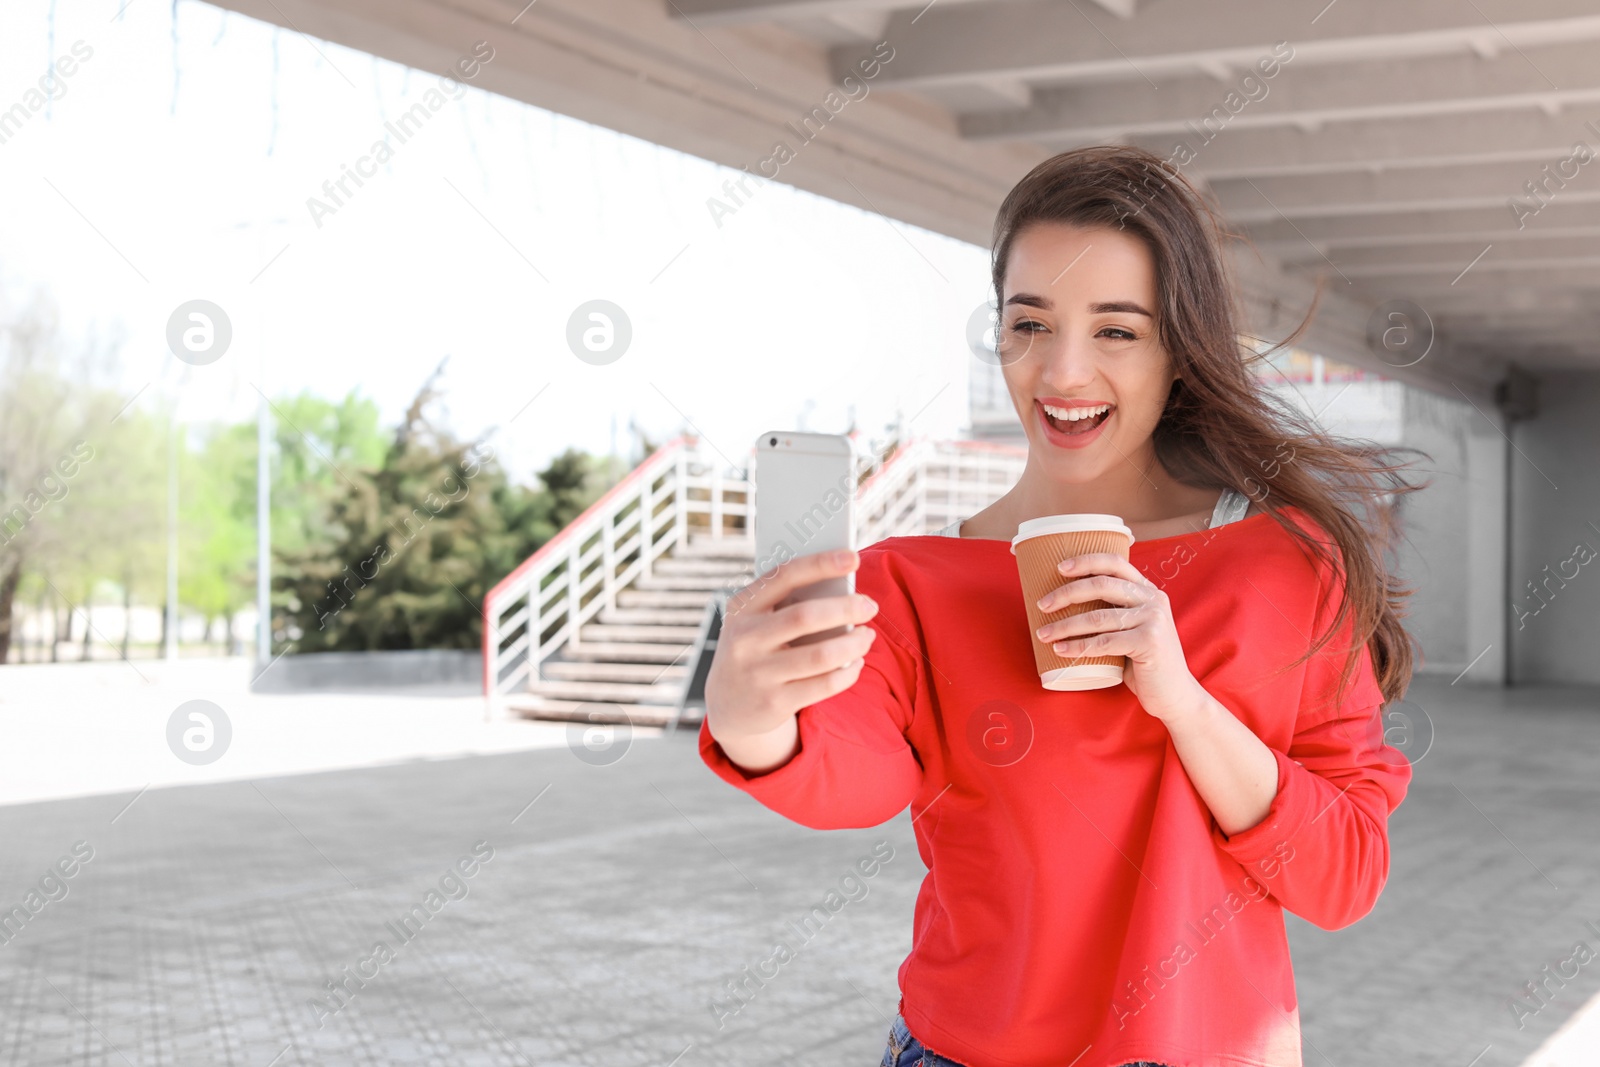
(906, 1051)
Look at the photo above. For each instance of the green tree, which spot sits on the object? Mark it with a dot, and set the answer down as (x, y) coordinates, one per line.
(316, 445)
(403, 567)
(117, 510)
(418, 542)
(54, 404)
(320, 448)
(217, 529)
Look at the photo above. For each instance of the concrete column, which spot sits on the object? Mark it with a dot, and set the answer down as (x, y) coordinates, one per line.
(1555, 559)
(1486, 503)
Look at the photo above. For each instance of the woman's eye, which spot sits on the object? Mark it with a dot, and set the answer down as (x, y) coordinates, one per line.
(1021, 326)
(1122, 335)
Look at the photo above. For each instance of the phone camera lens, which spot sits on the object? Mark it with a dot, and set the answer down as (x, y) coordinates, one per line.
(772, 441)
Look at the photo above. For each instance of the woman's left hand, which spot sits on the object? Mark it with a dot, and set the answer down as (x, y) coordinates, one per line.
(1139, 625)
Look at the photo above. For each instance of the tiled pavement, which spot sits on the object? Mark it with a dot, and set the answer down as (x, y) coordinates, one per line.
(612, 909)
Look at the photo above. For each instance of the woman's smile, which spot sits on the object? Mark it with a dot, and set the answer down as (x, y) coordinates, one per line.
(1069, 432)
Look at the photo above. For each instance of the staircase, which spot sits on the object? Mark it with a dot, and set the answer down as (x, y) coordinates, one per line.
(633, 663)
(608, 620)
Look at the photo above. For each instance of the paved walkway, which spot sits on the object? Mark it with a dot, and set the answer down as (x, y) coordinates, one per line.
(73, 729)
(610, 899)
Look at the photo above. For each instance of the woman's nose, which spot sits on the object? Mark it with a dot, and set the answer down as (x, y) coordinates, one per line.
(1068, 364)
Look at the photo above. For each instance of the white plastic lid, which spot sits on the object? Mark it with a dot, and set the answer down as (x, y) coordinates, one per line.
(1049, 524)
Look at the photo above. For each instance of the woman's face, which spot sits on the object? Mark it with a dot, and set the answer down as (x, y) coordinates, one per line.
(1077, 335)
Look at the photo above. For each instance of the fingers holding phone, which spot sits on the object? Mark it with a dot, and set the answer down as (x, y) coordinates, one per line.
(762, 674)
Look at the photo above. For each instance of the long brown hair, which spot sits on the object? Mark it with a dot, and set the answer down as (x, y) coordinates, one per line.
(1220, 428)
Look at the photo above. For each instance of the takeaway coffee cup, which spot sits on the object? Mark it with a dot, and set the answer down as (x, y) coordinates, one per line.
(1039, 546)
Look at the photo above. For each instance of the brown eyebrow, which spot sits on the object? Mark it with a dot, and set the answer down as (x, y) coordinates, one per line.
(1127, 307)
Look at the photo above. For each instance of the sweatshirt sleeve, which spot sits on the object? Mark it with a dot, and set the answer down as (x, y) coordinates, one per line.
(854, 767)
(1323, 848)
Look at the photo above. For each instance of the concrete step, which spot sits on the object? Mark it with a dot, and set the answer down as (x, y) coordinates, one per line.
(547, 708)
(600, 631)
(631, 664)
(661, 598)
(703, 546)
(653, 616)
(684, 583)
(614, 692)
(715, 566)
(607, 671)
(628, 652)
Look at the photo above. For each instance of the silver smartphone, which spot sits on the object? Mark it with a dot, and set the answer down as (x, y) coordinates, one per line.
(805, 503)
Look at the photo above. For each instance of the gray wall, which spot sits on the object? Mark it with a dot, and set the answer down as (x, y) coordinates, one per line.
(1453, 549)
(1555, 493)
(1433, 556)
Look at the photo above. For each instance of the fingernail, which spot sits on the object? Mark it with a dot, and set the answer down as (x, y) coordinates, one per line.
(844, 555)
(1042, 602)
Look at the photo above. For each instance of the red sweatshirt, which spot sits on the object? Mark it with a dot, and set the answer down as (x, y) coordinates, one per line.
(1081, 905)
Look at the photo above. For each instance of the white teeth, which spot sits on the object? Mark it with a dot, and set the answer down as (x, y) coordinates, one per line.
(1074, 414)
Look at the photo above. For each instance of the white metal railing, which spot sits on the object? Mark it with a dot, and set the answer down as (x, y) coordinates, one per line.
(542, 605)
(927, 484)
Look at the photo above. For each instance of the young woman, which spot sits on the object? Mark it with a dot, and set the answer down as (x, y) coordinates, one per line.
(1107, 869)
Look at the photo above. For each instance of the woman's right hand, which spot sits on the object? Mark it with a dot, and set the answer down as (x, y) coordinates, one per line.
(757, 683)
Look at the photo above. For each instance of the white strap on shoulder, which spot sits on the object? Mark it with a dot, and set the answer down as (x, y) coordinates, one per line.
(1230, 508)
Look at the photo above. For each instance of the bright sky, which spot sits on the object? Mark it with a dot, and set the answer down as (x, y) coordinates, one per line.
(175, 163)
